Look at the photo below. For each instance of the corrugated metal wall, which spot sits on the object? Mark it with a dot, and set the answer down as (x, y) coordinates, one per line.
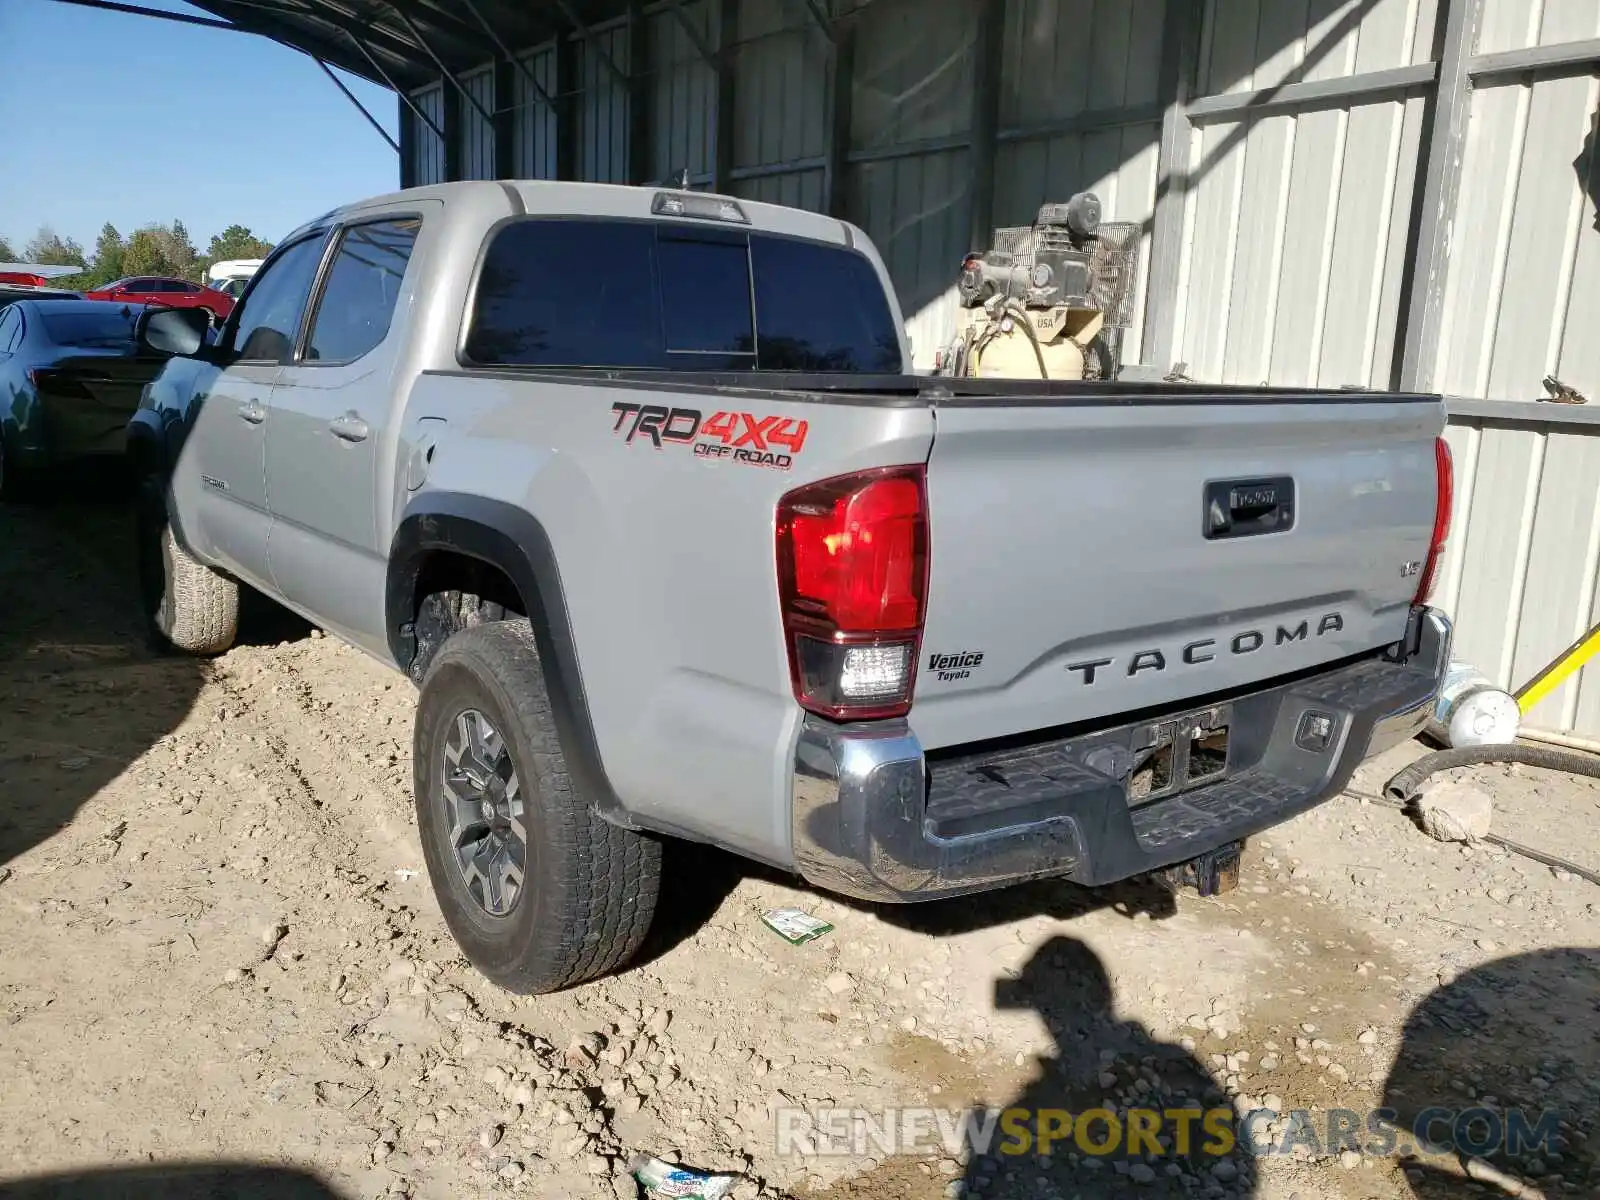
(1296, 224)
(477, 132)
(1521, 573)
(1523, 300)
(1525, 297)
(429, 167)
(683, 92)
(908, 175)
(1281, 197)
(534, 122)
(1062, 60)
(603, 104)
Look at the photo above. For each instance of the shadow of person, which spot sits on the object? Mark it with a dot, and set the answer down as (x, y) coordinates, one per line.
(83, 692)
(1503, 1064)
(1108, 1093)
(1587, 165)
(173, 1181)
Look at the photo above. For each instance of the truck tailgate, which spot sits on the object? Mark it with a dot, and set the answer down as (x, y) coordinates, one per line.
(1071, 574)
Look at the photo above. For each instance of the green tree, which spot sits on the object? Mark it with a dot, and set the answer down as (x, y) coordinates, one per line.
(146, 252)
(236, 241)
(178, 250)
(7, 254)
(108, 254)
(50, 248)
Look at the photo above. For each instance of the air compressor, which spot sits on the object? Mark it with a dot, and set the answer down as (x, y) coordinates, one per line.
(1050, 300)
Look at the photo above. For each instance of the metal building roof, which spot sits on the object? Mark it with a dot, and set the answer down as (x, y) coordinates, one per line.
(404, 43)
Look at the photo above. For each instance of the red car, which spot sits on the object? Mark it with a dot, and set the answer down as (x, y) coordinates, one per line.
(174, 293)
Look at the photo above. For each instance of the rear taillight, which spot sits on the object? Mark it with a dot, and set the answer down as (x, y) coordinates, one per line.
(1445, 475)
(852, 583)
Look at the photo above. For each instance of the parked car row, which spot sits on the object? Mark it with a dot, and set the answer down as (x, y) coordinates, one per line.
(173, 293)
(71, 371)
(71, 376)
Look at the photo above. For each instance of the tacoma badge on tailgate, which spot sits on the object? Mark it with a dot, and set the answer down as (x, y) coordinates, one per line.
(1204, 650)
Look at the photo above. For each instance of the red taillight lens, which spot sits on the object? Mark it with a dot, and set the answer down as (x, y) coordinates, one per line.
(1445, 474)
(852, 582)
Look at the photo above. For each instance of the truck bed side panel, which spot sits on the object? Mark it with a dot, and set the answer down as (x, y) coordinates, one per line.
(667, 559)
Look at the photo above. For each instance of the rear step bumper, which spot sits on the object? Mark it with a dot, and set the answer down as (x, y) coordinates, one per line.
(877, 819)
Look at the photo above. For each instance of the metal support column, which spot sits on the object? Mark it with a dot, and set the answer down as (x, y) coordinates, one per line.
(452, 134)
(1180, 58)
(567, 99)
(727, 57)
(988, 45)
(408, 141)
(505, 119)
(641, 132)
(1448, 114)
(841, 89)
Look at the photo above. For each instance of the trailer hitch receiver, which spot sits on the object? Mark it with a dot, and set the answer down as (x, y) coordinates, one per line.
(1210, 874)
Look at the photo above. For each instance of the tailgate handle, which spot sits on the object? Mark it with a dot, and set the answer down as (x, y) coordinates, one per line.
(1243, 507)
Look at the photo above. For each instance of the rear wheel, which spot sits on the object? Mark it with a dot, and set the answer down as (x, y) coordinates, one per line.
(192, 607)
(538, 890)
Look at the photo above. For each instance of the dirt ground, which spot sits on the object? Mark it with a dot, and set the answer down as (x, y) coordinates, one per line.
(221, 961)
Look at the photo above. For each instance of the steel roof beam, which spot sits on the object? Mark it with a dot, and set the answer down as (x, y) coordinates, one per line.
(692, 31)
(277, 23)
(538, 90)
(139, 10)
(823, 21)
(439, 62)
(360, 107)
(405, 96)
(446, 21)
(588, 35)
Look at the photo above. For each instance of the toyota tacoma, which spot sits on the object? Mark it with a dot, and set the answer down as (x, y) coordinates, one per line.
(637, 486)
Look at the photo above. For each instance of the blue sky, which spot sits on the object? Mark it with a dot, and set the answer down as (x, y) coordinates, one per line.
(134, 120)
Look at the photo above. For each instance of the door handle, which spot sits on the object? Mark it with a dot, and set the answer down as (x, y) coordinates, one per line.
(253, 412)
(349, 428)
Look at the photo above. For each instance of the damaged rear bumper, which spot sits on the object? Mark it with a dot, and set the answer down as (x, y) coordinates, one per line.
(877, 818)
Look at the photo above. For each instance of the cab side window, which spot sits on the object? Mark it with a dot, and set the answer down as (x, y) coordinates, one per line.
(362, 289)
(266, 323)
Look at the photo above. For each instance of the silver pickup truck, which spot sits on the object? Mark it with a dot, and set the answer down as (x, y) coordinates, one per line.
(637, 487)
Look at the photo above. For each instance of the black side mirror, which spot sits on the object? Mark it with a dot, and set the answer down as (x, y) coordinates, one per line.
(180, 331)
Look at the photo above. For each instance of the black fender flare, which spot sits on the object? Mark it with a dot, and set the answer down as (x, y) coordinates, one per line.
(513, 541)
(147, 444)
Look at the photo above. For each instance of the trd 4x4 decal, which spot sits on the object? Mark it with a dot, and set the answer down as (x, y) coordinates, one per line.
(738, 436)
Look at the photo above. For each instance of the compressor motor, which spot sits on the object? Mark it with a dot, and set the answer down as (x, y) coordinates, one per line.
(1050, 300)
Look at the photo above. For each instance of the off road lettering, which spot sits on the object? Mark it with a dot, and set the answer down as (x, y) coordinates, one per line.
(655, 423)
(757, 441)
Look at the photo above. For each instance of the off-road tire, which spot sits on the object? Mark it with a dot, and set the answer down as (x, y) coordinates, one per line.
(589, 887)
(191, 607)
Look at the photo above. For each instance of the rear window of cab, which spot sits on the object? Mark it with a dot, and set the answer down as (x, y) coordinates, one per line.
(580, 292)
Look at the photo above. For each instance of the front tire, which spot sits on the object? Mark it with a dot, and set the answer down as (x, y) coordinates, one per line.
(538, 890)
(191, 607)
